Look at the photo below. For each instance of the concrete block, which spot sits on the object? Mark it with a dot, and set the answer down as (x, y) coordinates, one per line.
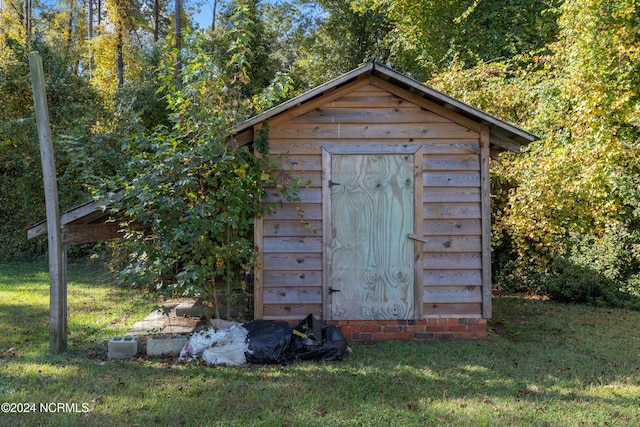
(190, 308)
(122, 347)
(165, 345)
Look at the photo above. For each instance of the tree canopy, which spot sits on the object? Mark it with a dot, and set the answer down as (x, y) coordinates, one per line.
(136, 88)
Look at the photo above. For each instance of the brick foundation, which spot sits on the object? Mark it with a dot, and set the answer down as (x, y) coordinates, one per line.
(375, 330)
(420, 329)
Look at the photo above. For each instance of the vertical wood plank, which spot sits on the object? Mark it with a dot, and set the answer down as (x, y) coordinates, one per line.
(258, 271)
(63, 295)
(485, 196)
(57, 283)
(258, 243)
(326, 234)
(418, 229)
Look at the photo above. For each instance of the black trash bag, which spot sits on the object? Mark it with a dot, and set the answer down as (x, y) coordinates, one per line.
(310, 331)
(306, 346)
(267, 341)
(306, 335)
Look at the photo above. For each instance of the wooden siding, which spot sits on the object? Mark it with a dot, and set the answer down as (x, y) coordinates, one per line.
(373, 118)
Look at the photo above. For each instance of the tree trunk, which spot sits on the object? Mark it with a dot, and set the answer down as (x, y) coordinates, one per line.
(213, 20)
(99, 13)
(119, 59)
(213, 296)
(27, 21)
(156, 20)
(178, 35)
(69, 38)
(90, 35)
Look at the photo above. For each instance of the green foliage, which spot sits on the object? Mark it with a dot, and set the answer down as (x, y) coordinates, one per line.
(195, 203)
(555, 207)
(346, 35)
(426, 37)
(252, 37)
(566, 70)
(504, 89)
(580, 180)
(190, 193)
(602, 271)
(542, 363)
(73, 109)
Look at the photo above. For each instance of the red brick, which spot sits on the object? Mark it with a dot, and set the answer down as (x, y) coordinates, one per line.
(477, 327)
(436, 328)
(404, 335)
(424, 335)
(444, 335)
(432, 321)
(457, 328)
(482, 334)
(466, 335)
(349, 329)
(416, 328)
(382, 336)
(347, 335)
(361, 336)
(370, 328)
(393, 328)
(359, 322)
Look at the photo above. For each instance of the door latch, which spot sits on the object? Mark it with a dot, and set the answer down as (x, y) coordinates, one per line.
(332, 290)
(418, 238)
(331, 183)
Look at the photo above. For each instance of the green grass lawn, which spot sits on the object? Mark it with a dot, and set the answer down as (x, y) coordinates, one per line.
(542, 364)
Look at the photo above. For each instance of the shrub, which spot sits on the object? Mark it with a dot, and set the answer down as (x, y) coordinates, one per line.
(597, 270)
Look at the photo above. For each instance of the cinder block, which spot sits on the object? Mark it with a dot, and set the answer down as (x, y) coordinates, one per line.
(189, 308)
(162, 346)
(122, 347)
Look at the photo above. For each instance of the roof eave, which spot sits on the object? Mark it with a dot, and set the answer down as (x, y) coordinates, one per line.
(504, 135)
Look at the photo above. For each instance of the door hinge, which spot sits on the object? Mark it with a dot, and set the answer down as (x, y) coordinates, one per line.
(331, 290)
(331, 183)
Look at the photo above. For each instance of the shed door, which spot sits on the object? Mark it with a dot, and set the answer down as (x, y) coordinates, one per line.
(372, 259)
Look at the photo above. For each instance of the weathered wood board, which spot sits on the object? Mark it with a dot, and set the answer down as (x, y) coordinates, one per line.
(359, 126)
(372, 213)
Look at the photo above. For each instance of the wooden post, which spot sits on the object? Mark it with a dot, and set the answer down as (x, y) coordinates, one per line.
(485, 200)
(57, 282)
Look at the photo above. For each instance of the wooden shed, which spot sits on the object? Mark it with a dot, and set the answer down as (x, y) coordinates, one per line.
(391, 239)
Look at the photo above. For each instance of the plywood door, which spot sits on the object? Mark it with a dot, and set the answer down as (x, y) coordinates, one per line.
(372, 260)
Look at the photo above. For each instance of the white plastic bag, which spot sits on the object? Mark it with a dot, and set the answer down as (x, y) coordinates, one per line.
(230, 350)
(199, 342)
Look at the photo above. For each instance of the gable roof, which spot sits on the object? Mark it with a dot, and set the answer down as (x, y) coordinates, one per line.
(503, 136)
(89, 222)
